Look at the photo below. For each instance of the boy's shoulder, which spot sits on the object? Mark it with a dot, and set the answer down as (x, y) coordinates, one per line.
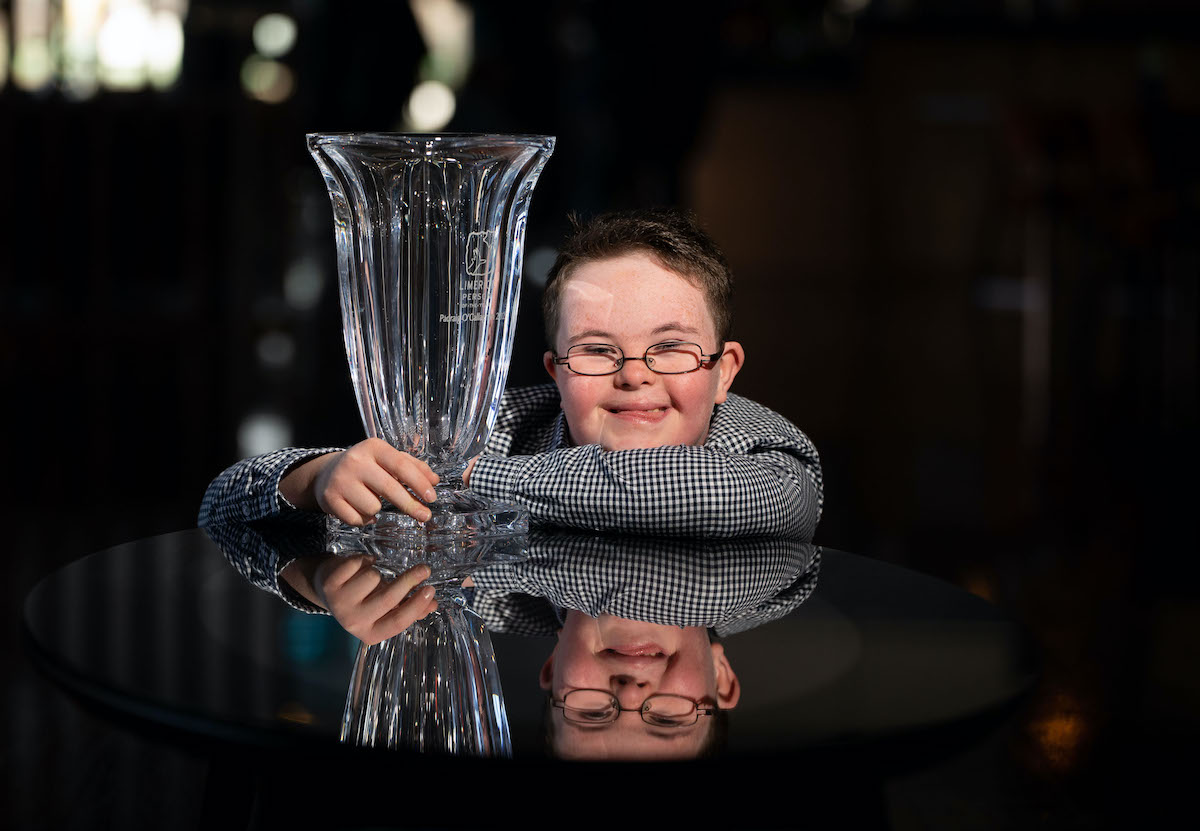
(527, 420)
(740, 422)
(520, 404)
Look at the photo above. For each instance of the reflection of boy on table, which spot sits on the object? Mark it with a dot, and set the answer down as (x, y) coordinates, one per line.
(639, 432)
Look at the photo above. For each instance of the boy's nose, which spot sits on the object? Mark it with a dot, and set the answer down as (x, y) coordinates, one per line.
(634, 372)
(630, 691)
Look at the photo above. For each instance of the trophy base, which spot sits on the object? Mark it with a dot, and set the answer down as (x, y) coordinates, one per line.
(465, 532)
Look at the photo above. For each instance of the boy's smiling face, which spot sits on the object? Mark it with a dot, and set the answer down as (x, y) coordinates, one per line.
(631, 301)
(634, 660)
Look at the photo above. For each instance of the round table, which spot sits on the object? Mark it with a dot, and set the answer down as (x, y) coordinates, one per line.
(879, 670)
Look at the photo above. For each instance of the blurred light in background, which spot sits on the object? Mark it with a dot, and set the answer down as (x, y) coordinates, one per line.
(302, 284)
(80, 23)
(267, 80)
(276, 350)
(121, 45)
(430, 106)
(446, 27)
(32, 66)
(263, 432)
(164, 52)
(83, 45)
(274, 35)
(3, 48)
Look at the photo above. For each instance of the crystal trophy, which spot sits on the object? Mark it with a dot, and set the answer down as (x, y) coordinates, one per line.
(430, 234)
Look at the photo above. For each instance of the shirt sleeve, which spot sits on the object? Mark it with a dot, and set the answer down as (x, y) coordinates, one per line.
(250, 489)
(682, 490)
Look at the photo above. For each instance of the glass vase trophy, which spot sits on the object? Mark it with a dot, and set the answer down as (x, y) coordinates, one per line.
(430, 233)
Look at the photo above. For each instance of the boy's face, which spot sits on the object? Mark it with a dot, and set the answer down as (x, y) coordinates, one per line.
(633, 302)
(633, 660)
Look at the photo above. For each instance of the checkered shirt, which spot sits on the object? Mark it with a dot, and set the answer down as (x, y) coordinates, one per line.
(756, 474)
(727, 586)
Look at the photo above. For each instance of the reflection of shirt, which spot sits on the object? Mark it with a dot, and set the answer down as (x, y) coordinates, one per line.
(755, 475)
(724, 586)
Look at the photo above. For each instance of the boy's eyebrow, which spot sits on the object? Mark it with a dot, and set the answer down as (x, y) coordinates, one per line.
(673, 326)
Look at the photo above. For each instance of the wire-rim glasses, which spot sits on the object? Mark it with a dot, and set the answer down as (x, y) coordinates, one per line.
(658, 710)
(666, 358)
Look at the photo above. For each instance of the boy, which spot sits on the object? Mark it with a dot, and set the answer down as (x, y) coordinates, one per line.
(639, 432)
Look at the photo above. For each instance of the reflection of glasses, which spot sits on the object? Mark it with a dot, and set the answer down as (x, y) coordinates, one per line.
(658, 710)
(668, 358)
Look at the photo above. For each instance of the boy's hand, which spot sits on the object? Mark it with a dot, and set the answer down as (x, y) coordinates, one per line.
(352, 484)
(364, 604)
(467, 472)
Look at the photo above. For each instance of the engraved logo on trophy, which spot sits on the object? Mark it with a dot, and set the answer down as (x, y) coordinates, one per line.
(479, 250)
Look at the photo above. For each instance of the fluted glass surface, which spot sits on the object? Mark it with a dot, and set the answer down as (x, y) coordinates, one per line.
(433, 688)
(430, 233)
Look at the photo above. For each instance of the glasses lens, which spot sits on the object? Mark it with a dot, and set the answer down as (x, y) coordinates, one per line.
(673, 358)
(594, 358)
(669, 710)
(588, 706)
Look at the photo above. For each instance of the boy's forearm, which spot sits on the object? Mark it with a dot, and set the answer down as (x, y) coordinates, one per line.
(249, 490)
(669, 490)
(296, 486)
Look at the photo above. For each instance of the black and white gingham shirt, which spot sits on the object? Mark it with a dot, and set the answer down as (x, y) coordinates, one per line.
(728, 586)
(756, 474)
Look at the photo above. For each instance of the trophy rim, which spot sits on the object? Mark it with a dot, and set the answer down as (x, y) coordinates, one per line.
(449, 138)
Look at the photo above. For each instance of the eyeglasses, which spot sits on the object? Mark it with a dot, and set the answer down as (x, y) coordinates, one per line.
(667, 358)
(658, 710)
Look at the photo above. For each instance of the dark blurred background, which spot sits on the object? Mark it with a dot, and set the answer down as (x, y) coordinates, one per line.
(965, 240)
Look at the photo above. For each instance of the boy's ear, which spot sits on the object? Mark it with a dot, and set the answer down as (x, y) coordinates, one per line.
(546, 676)
(551, 367)
(729, 689)
(729, 365)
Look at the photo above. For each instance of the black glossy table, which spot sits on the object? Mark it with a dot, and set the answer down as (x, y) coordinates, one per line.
(881, 669)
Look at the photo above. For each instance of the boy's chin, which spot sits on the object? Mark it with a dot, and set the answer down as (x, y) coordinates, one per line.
(645, 439)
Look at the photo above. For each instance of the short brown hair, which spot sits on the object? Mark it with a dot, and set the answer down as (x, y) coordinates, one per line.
(672, 237)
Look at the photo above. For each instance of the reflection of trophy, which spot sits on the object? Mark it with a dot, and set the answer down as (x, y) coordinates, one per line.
(434, 687)
(430, 233)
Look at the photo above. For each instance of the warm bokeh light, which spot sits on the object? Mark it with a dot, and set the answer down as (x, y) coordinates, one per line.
(430, 106)
(447, 28)
(266, 80)
(274, 35)
(81, 45)
(32, 63)
(121, 45)
(164, 52)
(3, 49)
(1059, 734)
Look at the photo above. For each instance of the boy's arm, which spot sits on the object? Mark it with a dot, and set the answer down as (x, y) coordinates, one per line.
(249, 490)
(773, 489)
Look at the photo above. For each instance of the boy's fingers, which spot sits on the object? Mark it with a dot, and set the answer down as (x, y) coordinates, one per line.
(404, 615)
(412, 472)
(339, 507)
(360, 585)
(336, 571)
(398, 495)
(388, 596)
